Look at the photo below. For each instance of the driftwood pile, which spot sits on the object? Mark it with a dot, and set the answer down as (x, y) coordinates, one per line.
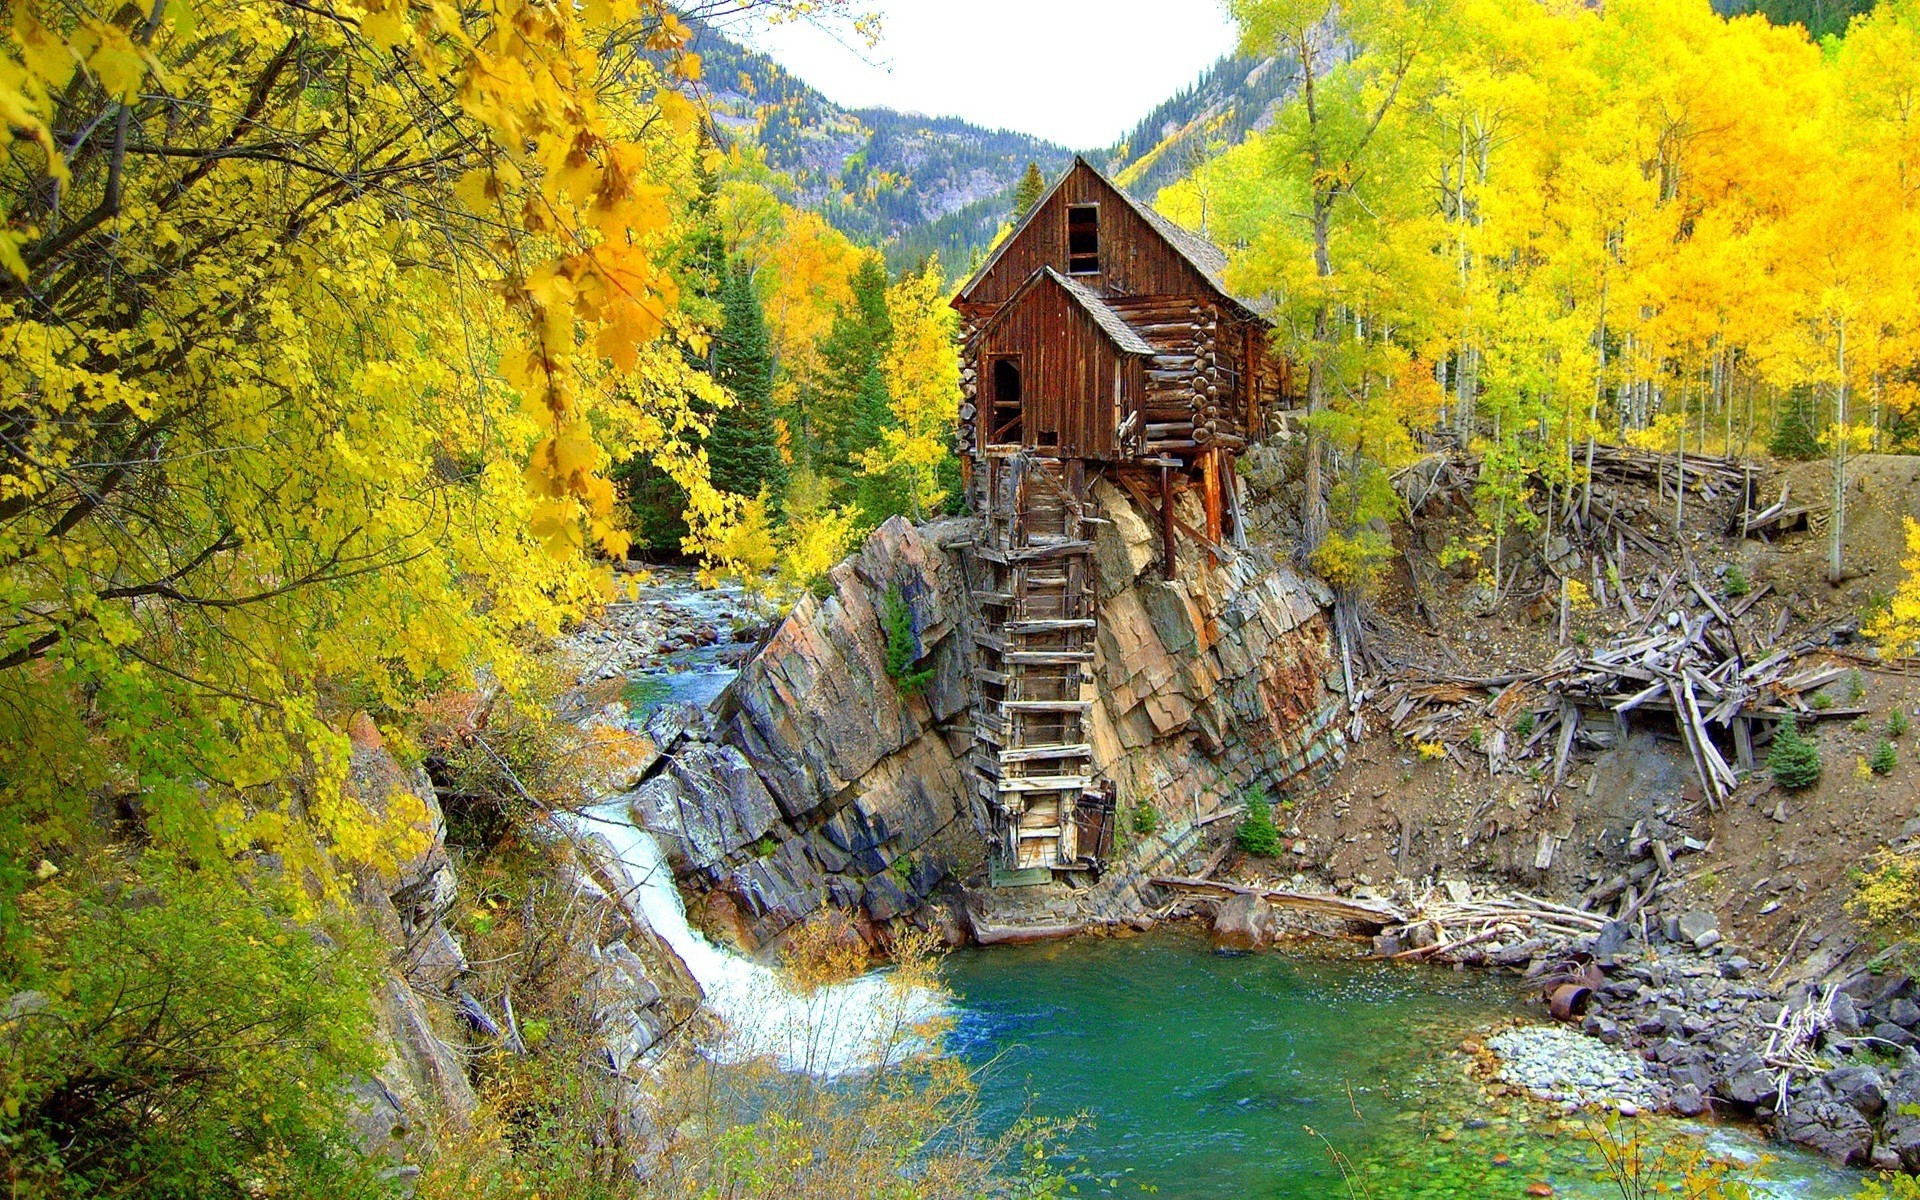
(1450, 922)
(1689, 656)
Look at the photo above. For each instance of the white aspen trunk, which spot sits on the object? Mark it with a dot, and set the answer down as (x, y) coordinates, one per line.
(1836, 529)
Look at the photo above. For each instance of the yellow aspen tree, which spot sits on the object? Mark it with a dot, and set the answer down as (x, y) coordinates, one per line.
(922, 371)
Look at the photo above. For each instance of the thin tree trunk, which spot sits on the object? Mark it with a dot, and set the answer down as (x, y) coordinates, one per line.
(1836, 529)
(1593, 422)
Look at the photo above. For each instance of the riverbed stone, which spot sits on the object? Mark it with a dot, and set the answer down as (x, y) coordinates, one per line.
(1901, 1132)
(1861, 1087)
(1241, 924)
(1688, 1101)
(1830, 1128)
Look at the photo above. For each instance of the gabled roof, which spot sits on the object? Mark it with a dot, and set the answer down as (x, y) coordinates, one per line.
(1202, 255)
(1124, 337)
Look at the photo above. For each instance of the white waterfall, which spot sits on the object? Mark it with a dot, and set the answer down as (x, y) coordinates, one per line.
(832, 1030)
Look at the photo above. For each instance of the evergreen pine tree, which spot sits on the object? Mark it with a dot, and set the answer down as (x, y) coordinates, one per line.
(851, 390)
(1793, 760)
(1795, 438)
(1027, 193)
(656, 502)
(1256, 834)
(744, 448)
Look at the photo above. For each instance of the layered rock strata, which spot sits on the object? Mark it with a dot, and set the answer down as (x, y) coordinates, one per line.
(816, 780)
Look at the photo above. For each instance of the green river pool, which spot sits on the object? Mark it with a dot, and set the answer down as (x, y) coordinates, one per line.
(1207, 1077)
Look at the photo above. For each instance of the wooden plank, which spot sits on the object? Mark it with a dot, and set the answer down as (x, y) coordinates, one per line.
(1060, 706)
(1047, 553)
(1059, 625)
(1042, 753)
(1047, 658)
(1047, 783)
(1372, 912)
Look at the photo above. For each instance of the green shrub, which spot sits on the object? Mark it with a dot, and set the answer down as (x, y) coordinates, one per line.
(1524, 726)
(1897, 723)
(1256, 834)
(1820, 701)
(185, 1039)
(1146, 819)
(1735, 584)
(1793, 760)
(1885, 759)
(1856, 685)
(903, 644)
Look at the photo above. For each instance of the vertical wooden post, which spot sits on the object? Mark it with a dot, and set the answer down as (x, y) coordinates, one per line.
(1166, 521)
(1210, 481)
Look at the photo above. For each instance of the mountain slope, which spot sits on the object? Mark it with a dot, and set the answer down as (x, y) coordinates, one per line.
(906, 183)
(1235, 96)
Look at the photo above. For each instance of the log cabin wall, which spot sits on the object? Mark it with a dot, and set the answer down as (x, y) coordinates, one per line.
(1075, 385)
(1134, 259)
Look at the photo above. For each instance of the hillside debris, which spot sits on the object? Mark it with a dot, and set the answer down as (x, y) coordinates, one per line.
(1691, 657)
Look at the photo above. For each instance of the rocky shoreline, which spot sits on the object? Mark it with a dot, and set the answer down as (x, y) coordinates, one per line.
(1679, 1020)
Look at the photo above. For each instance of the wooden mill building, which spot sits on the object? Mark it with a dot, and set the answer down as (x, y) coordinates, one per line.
(1100, 339)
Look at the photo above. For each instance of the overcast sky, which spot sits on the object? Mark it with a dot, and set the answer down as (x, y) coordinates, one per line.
(1078, 72)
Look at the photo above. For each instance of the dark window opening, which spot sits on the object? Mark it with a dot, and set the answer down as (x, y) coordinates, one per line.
(1083, 239)
(1049, 437)
(1003, 419)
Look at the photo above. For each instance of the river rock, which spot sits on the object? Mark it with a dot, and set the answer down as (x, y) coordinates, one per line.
(1904, 1012)
(1241, 924)
(1861, 1087)
(1846, 1018)
(1558, 1063)
(1831, 1128)
(1748, 1081)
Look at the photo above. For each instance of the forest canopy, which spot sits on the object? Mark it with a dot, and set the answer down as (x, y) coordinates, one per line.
(1537, 225)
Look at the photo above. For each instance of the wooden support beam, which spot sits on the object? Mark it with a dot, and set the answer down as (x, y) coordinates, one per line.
(1047, 783)
(1169, 566)
(1060, 706)
(1210, 495)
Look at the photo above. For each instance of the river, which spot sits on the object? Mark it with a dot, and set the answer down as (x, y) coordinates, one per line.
(1208, 1077)
(1200, 1075)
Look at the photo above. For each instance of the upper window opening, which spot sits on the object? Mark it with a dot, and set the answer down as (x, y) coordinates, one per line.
(1083, 239)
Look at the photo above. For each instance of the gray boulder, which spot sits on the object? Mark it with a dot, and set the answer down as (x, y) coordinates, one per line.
(1688, 1102)
(1694, 926)
(1904, 1012)
(1748, 1081)
(1846, 1018)
(1860, 1087)
(1901, 1132)
(1830, 1128)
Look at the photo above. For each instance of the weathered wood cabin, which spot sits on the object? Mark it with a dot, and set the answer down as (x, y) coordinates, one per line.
(1100, 338)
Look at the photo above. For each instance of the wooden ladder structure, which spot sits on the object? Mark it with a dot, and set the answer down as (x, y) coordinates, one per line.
(1032, 757)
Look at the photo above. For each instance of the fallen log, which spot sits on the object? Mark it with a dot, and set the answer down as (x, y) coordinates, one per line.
(1367, 912)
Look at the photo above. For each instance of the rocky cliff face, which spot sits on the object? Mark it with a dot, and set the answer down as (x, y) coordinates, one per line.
(635, 989)
(815, 780)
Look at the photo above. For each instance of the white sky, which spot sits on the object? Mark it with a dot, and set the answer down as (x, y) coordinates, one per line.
(1077, 72)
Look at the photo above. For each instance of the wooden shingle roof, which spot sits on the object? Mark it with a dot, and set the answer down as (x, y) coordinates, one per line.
(1124, 337)
(1202, 255)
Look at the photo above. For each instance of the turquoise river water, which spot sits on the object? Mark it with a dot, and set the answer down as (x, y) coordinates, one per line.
(1206, 1077)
